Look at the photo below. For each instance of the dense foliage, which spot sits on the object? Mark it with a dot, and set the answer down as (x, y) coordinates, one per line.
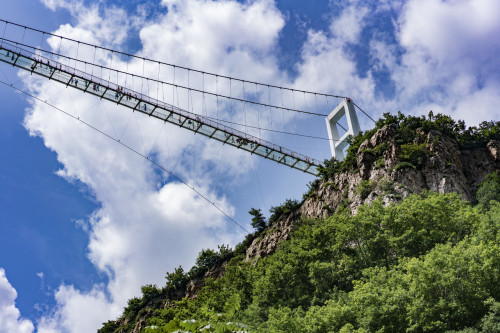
(411, 154)
(428, 264)
(489, 190)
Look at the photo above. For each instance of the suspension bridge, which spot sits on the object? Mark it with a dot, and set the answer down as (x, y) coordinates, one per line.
(18, 48)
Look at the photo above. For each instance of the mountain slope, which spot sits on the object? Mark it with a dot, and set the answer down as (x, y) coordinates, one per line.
(347, 258)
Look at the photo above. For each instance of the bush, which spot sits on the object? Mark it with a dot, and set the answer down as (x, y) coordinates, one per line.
(149, 292)
(177, 280)
(364, 188)
(415, 154)
(108, 327)
(380, 163)
(208, 259)
(489, 189)
(288, 207)
(133, 306)
(402, 165)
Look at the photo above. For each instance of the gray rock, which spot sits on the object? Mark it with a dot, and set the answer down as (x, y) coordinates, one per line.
(448, 168)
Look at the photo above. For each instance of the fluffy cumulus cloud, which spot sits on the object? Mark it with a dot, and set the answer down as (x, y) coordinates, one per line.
(67, 316)
(95, 25)
(10, 317)
(450, 58)
(329, 65)
(201, 33)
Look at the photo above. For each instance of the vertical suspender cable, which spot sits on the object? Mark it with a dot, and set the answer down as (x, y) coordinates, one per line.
(3, 36)
(142, 79)
(204, 107)
(93, 62)
(173, 87)
(217, 94)
(258, 113)
(41, 41)
(111, 66)
(230, 103)
(244, 109)
(158, 83)
(76, 57)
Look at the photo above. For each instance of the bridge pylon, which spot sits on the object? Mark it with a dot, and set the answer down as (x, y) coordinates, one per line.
(338, 143)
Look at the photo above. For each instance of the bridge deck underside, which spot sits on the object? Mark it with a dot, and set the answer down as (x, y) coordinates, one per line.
(94, 85)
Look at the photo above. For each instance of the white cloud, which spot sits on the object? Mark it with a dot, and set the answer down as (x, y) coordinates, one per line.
(451, 29)
(202, 33)
(95, 26)
(347, 28)
(450, 57)
(327, 65)
(55, 4)
(10, 317)
(382, 53)
(78, 312)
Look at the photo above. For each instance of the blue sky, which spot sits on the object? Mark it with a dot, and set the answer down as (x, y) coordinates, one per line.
(84, 223)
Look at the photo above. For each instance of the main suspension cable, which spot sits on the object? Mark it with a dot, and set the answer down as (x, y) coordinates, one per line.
(169, 64)
(93, 64)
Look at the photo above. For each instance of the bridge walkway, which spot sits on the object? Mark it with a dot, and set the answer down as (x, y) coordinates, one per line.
(91, 84)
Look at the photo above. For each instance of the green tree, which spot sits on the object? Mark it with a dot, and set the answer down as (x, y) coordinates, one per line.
(208, 259)
(288, 207)
(284, 319)
(177, 280)
(133, 306)
(489, 226)
(108, 327)
(491, 321)
(258, 220)
(149, 292)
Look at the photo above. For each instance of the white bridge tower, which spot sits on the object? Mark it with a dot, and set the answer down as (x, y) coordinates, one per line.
(339, 143)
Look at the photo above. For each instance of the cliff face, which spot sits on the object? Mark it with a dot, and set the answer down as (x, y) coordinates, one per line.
(383, 171)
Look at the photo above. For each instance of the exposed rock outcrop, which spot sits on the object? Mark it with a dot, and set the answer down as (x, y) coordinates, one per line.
(447, 168)
(381, 174)
(266, 244)
(196, 284)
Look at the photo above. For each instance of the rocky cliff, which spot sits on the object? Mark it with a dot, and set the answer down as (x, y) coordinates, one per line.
(388, 170)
